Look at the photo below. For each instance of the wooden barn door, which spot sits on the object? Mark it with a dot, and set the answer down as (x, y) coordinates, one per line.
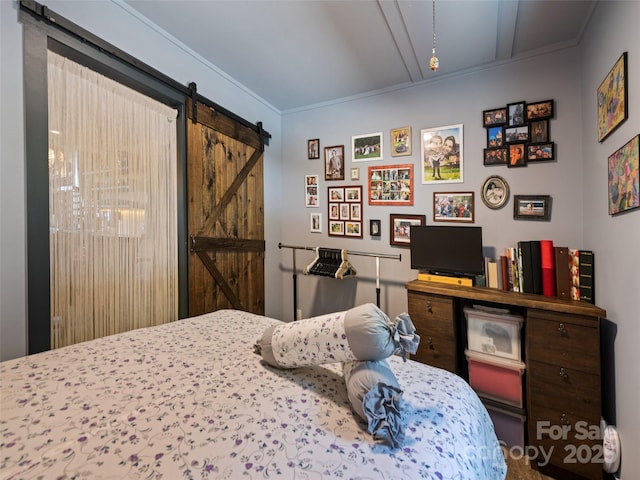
(225, 213)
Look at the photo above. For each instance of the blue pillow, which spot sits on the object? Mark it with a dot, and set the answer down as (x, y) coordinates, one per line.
(376, 397)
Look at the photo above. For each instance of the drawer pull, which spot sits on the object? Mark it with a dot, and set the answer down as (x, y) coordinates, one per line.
(564, 419)
(562, 330)
(563, 373)
(430, 343)
(430, 307)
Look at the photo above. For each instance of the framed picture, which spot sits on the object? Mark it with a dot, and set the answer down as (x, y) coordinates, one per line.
(517, 157)
(391, 185)
(539, 131)
(311, 198)
(374, 228)
(442, 158)
(366, 147)
(401, 228)
(345, 211)
(495, 192)
(355, 173)
(313, 149)
(516, 134)
(612, 99)
(516, 114)
(400, 141)
(532, 207)
(495, 137)
(315, 223)
(497, 116)
(334, 162)
(453, 207)
(539, 110)
(541, 152)
(495, 156)
(624, 178)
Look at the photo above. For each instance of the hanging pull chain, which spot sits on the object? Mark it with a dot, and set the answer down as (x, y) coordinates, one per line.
(434, 63)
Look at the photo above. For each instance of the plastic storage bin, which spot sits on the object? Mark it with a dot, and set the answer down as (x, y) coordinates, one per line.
(495, 333)
(496, 378)
(508, 424)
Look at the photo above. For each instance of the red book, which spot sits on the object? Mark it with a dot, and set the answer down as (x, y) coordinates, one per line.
(547, 257)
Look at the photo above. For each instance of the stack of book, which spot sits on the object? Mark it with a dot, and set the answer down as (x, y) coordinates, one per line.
(542, 268)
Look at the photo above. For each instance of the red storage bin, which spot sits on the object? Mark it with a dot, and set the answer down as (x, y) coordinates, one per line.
(496, 378)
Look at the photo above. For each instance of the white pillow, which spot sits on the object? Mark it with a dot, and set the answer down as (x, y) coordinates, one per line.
(361, 333)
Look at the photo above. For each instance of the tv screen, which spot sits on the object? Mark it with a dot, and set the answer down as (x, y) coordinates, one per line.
(450, 250)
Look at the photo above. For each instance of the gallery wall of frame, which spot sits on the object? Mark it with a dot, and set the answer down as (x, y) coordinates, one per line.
(519, 133)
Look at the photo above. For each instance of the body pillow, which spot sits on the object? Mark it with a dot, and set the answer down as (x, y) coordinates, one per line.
(375, 396)
(361, 333)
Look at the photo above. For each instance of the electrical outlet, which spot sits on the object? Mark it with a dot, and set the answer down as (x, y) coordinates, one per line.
(298, 314)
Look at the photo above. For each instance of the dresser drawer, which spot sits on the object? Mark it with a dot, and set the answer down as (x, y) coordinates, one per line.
(572, 442)
(433, 318)
(571, 341)
(551, 386)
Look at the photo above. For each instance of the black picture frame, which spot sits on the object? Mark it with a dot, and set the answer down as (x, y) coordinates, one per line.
(495, 136)
(375, 228)
(494, 117)
(540, 110)
(516, 134)
(516, 114)
(532, 207)
(541, 152)
(516, 155)
(495, 156)
(539, 131)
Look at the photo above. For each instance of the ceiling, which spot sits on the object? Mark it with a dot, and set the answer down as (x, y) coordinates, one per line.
(296, 53)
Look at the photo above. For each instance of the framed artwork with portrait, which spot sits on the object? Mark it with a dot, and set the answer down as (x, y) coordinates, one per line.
(442, 155)
(334, 162)
(400, 228)
(313, 149)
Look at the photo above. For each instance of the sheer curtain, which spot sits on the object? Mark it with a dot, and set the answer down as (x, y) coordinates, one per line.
(112, 206)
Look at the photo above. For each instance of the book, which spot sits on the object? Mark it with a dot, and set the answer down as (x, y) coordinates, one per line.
(493, 274)
(563, 282)
(536, 267)
(526, 265)
(504, 272)
(586, 278)
(574, 273)
(548, 267)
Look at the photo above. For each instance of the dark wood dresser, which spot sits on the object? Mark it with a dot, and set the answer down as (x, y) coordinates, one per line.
(561, 345)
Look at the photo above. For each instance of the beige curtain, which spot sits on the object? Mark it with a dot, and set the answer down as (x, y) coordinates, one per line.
(112, 204)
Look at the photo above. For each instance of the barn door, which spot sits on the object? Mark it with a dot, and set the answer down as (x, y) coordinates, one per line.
(225, 213)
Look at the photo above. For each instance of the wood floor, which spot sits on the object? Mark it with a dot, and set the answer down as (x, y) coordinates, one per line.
(519, 469)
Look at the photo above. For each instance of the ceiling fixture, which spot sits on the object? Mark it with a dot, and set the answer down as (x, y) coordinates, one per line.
(434, 63)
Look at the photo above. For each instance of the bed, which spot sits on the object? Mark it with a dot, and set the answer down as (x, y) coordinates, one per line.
(192, 400)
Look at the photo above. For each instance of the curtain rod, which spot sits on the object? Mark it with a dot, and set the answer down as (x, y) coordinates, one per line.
(42, 12)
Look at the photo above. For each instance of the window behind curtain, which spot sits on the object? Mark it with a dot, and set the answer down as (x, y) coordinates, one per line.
(112, 206)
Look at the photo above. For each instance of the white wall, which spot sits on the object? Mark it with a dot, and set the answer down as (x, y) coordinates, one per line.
(613, 30)
(456, 100)
(116, 24)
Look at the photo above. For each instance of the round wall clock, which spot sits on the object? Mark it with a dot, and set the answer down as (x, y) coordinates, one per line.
(495, 192)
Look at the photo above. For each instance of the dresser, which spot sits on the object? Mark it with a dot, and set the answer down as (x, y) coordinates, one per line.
(561, 345)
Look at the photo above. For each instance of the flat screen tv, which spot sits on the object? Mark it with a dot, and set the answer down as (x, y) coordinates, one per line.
(449, 250)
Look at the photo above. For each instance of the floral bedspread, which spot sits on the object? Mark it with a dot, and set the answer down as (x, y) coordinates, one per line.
(192, 400)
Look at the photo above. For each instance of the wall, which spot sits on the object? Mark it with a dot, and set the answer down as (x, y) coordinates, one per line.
(456, 100)
(117, 24)
(613, 30)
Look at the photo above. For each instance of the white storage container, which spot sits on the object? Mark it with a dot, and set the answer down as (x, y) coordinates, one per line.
(496, 378)
(494, 332)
